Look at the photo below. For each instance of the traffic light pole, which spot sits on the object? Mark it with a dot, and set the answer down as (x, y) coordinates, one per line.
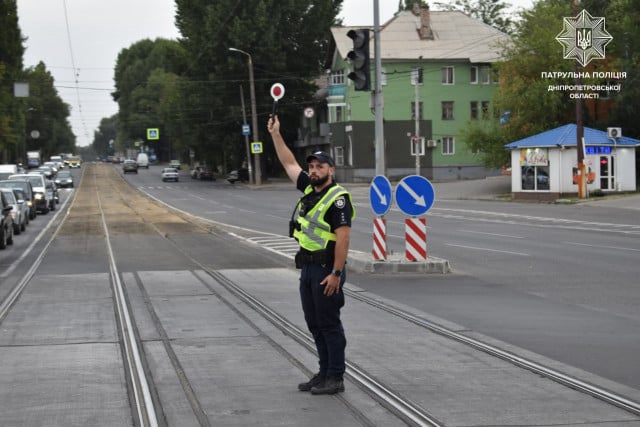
(381, 167)
(416, 110)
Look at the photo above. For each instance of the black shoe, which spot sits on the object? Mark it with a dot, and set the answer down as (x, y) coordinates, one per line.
(332, 385)
(316, 380)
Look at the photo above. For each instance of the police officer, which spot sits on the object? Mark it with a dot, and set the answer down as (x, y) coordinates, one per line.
(322, 226)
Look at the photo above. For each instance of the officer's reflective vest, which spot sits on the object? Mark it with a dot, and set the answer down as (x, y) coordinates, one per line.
(313, 232)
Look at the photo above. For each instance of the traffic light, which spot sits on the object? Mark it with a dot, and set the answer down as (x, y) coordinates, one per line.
(359, 57)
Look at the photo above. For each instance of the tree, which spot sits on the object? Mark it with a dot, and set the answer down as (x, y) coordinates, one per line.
(11, 51)
(491, 12)
(288, 42)
(138, 101)
(526, 94)
(623, 23)
(104, 137)
(47, 114)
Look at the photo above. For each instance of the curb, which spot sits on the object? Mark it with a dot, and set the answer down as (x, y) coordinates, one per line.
(362, 262)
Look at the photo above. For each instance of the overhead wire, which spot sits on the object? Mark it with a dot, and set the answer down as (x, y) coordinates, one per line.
(75, 70)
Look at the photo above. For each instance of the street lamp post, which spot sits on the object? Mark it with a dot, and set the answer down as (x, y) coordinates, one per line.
(257, 179)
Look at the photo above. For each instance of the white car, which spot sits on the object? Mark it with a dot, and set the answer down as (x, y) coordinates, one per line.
(170, 174)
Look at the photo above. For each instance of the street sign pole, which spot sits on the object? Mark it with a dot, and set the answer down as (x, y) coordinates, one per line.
(252, 178)
(380, 197)
(415, 196)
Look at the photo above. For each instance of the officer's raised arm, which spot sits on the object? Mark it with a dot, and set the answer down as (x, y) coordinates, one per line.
(286, 157)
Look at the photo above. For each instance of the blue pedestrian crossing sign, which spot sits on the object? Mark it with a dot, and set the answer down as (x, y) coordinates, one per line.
(256, 147)
(153, 134)
(380, 195)
(414, 195)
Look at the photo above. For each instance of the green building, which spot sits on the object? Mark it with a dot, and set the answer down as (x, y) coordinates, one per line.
(455, 53)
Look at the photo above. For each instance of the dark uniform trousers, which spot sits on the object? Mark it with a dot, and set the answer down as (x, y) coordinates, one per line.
(322, 314)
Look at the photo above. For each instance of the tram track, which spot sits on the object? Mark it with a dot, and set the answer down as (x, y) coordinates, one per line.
(141, 384)
(403, 407)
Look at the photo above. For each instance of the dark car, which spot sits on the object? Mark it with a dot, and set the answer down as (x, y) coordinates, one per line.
(64, 179)
(47, 171)
(130, 166)
(203, 173)
(27, 190)
(6, 222)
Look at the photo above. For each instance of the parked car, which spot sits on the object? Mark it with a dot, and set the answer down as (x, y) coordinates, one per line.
(40, 195)
(64, 179)
(27, 190)
(170, 174)
(130, 166)
(6, 223)
(175, 164)
(18, 214)
(202, 172)
(241, 175)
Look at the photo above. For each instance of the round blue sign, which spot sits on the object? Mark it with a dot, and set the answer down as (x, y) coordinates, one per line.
(414, 195)
(380, 195)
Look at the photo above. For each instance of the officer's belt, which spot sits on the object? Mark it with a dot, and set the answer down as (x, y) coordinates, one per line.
(312, 257)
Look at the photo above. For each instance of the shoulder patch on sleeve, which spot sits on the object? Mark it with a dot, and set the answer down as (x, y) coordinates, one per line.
(340, 202)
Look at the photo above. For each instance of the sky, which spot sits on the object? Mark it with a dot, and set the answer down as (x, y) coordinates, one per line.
(79, 41)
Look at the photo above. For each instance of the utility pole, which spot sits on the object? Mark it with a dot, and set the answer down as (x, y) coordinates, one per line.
(254, 116)
(246, 138)
(582, 181)
(381, 167)
(416, 111)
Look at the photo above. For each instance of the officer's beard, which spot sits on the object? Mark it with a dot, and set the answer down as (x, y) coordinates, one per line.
(319, 182)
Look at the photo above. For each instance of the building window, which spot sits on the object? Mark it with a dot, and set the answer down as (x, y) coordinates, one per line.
(474, 110)
(447, 110)
(337, 77)
(336, 112)
(448, 146)
(485, 110)
(473, 77)
(535, 178)
(485, 75)
(413, 111)
(417, 76)
(338, 155)
(447, 75)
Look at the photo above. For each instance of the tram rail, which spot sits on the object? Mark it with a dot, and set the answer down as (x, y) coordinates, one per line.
(148, 410)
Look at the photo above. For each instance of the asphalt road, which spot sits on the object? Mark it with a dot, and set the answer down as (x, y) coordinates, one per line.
(556, 279)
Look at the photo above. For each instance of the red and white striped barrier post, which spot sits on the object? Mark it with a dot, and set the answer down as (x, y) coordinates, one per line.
(379, 239)
(416, 239)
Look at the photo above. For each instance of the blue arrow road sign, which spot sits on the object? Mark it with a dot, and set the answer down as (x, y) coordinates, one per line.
(414, 195)
(380, 195)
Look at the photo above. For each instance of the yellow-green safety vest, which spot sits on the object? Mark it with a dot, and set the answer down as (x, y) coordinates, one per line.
(314, 233)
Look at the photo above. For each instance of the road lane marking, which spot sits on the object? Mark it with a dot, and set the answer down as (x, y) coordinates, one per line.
(492, 234)
(487, 249)
(602, 246)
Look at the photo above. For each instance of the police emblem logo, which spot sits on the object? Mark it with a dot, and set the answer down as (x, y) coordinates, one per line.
(340, 202)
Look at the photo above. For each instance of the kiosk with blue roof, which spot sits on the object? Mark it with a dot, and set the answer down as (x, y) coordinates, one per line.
(545, 166)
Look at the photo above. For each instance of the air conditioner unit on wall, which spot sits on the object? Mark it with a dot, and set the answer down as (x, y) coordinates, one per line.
(614, 132)
(431, 143)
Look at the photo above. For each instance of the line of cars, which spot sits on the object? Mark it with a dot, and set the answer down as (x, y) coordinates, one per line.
(26, 193)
